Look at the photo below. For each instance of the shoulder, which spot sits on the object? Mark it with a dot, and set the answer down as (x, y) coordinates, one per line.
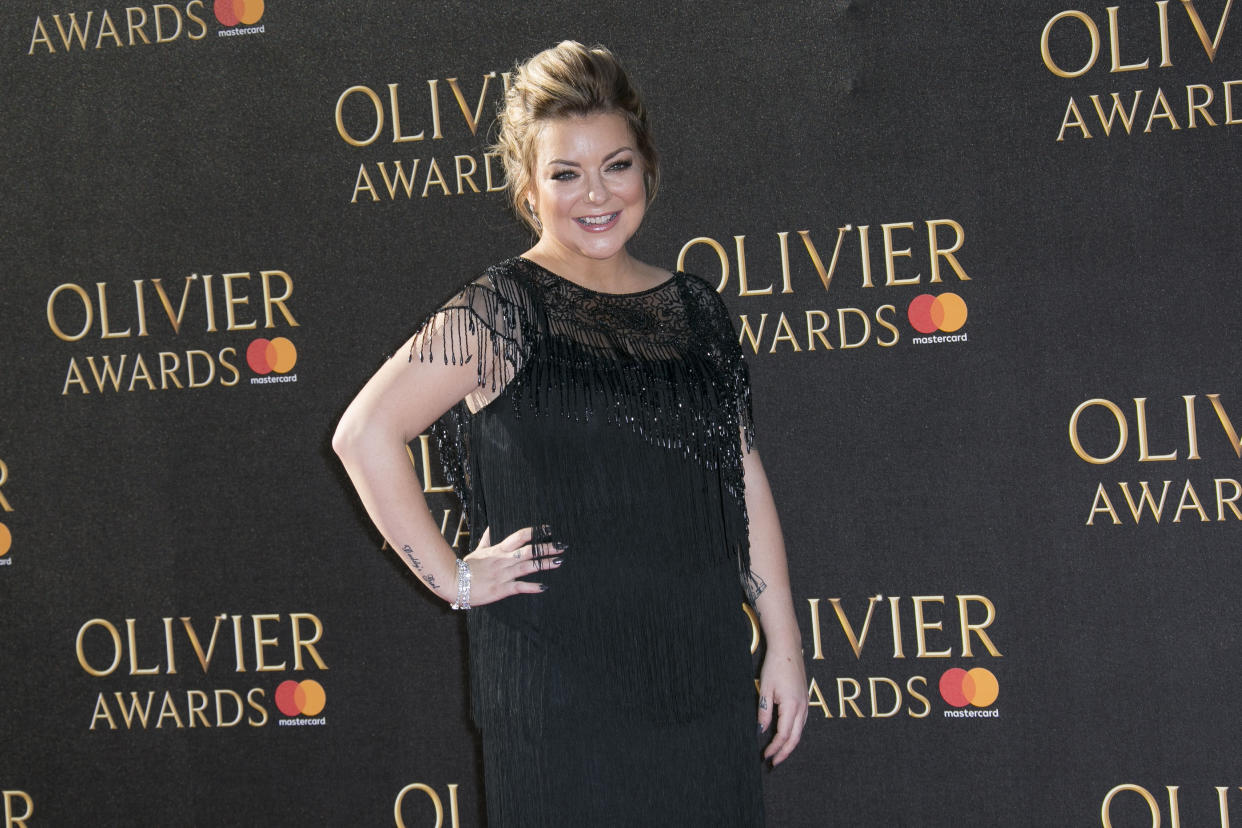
(702, 298)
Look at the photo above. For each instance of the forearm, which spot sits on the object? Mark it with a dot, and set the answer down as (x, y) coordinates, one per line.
(769, 588)
(378, 465)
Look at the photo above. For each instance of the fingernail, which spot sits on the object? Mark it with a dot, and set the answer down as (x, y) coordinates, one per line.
(759, 729)
(544, 528)
(543, 587)
(557, 561)
(560, 546)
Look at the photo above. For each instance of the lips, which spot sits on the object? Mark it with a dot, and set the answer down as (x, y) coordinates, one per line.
(598, 224)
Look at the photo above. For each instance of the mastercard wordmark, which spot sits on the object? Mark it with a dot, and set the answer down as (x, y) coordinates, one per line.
(300, 697)
(976, 687)
(945, 313)
(232, 12)
(267, 355)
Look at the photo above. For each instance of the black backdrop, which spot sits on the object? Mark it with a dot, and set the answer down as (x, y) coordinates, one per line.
(944, 488)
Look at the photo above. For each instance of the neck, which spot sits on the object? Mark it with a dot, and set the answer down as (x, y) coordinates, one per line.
(620, 273)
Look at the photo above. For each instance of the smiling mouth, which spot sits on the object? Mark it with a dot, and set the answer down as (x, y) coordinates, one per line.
(594, 222)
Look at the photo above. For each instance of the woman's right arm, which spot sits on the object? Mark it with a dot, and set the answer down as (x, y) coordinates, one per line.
(396, 405)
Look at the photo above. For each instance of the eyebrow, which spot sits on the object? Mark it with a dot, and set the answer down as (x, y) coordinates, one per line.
(610, 155)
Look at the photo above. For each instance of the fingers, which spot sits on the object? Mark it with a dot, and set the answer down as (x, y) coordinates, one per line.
(765, 710)
(789, 724)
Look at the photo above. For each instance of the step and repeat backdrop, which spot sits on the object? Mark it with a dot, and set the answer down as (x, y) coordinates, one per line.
(982, 261)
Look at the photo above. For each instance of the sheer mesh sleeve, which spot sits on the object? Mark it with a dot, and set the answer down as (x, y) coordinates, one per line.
(487, 323)
(714, 326)
(483, 324)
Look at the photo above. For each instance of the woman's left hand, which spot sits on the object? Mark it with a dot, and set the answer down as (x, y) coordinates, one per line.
(783, 694)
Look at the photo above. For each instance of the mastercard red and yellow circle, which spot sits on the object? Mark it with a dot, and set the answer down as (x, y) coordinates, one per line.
(976, 687)
(945, 313)
(267, 355)
(233, 12)
(304, 698)
(6, 540)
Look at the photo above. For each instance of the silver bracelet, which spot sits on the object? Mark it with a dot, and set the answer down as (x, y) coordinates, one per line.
(463, 586)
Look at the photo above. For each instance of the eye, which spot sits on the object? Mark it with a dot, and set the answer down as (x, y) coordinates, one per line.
(618, 166)
(564, 175)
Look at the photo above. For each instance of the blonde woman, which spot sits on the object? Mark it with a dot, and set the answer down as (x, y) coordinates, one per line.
(594, 413)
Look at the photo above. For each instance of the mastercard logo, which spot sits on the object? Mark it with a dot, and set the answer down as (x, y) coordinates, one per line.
(945, 313)
(267, 355)
(976, 687)
(6, 540)
(304, 698)
(232, 12)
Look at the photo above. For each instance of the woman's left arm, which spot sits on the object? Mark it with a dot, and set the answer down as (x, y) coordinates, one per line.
(782, 679)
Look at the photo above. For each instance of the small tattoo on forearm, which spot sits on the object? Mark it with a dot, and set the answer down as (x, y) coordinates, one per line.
(427, 577)
(754, 587)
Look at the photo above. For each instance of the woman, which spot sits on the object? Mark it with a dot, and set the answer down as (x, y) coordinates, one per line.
(598, 428)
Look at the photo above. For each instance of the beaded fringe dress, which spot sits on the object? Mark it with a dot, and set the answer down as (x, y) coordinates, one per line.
(622, 695)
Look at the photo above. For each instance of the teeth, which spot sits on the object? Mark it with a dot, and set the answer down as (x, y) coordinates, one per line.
(598, 219)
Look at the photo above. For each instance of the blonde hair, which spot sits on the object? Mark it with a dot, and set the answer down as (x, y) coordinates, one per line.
(567, 80)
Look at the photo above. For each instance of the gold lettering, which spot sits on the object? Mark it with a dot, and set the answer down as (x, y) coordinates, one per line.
(169, 371)
(359, 186)
(1106, 817)
(465, 176)
(1117, 111)
(1047, 54)
(1140, 408)
(816, 642)
(107, 29)
(1226, 423)
(1145, 499)
(472, 121)
(1188, 491)
(397, 137)
(938, 252)
(781, 325)
(270, 301)
(1221, 500)
(39, 35)
(921, 626)
(963, 604)
(75, 31)
(720, 253)
(116, 647)
(300, 642)
(1192, 107)
(131, 638)
(142, 21)
(204, 659)
(1096, 507)
(1077, 121)
(817, 332)
(101, 712)
(749, 334)
(1208, 46)
(743, 288)
(11, 818)
(231, 303)
(433, 167)
(1122, 432)
(890, 254)
(1167, 114)
(856, 641)
(379, 118)
(1114, 40)
(260, 642)
(159, 32)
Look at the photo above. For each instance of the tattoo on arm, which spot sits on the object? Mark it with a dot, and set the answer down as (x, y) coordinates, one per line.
(427, 577)
(754, 587)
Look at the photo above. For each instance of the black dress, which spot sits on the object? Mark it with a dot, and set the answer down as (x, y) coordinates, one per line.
(624, 694)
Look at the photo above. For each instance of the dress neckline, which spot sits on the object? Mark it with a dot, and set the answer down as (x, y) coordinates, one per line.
(670, 280)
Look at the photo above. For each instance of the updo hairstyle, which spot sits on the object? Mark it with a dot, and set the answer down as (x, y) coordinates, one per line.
(567, 80)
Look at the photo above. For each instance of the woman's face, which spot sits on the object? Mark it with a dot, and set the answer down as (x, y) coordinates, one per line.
(587, 185)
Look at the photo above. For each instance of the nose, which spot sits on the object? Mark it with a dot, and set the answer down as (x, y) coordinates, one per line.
(597, 193)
